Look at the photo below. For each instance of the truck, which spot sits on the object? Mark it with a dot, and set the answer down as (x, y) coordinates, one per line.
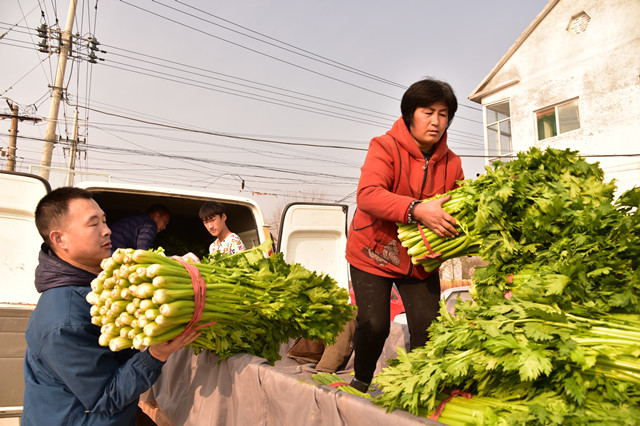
(242, 389)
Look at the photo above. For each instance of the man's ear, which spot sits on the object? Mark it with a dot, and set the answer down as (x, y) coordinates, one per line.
(223, 216)
(57, 239)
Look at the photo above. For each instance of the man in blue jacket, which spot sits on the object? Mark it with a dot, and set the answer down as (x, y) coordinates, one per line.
(139, 231)
(69, 378)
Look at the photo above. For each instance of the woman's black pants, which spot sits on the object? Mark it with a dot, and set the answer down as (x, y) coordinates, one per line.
(373, 298)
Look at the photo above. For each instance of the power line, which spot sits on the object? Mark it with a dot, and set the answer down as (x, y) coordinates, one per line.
(24, 18)
(315, 146)
(310, 55)
(365, 143)
(265, 100)
(314, 56)
(195, 83)
(24, 76)
(288, 154)
(204, 160)
(257, 51)
(224, 135)
(240, 93)
(183, 80)
(227, 135)
(237, 78)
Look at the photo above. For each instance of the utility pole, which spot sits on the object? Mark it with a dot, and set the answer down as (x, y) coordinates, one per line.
(13, 138)
(13, 134)
(74, 149)
(56, 95)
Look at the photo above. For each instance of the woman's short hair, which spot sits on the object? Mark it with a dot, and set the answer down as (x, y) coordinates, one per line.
(423, 94)
(210, 209)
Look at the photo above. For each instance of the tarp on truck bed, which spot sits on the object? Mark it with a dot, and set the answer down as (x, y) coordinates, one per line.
(246, 390)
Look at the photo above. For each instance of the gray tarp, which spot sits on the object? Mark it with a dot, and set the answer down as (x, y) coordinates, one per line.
(246, 390)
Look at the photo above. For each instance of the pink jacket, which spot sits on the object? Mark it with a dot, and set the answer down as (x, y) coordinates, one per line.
(393, 175)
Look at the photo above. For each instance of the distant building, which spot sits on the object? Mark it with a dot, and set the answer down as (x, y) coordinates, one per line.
(571, 80)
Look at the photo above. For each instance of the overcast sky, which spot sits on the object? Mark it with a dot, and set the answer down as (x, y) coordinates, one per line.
(299, 88)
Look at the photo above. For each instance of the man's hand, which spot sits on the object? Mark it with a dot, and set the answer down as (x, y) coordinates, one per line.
(433, 216)
(162, 351)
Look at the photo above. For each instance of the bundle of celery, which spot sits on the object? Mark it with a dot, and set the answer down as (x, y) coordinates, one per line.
(252, 303)
(335, 381)
(554, 329)
(547, 366)
(495, 212)
(428, 249)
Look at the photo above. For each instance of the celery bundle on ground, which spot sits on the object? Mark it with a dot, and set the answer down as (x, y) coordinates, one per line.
(554, 332)
(337, 382)
(253, 303)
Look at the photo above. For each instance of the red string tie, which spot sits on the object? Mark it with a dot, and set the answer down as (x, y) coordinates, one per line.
(199, 296)
(338, 384)
(432, 255)
(436, 414)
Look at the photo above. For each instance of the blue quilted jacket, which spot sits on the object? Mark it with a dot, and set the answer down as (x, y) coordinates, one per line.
(69, 378)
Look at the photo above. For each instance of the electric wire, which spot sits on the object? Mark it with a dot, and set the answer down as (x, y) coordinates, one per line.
(310, 55)
(306, 54)
(514, 155)
(239, 93)
(359, 109)
(262, 53)
(282, 155)
(268, 87)
(225, 135)
(257, 51)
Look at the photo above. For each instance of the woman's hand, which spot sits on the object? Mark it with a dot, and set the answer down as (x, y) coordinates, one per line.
(162, 351)
(432, 215)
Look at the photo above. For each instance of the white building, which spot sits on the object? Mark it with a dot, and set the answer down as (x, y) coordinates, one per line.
(571, 80)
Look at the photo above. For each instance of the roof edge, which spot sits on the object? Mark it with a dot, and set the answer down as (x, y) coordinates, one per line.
(479, 95)
(474, 96)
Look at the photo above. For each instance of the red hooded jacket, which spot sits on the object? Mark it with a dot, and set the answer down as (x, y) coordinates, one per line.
(394, 175)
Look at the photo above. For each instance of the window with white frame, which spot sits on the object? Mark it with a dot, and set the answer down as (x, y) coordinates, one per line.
(558, 119)
(498, 119)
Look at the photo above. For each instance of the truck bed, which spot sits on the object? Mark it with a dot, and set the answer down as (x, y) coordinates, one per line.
(247, 390)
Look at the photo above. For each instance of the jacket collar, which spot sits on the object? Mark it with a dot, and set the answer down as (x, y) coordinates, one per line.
(54, 272)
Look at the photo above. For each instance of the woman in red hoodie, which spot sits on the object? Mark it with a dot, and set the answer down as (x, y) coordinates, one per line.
(409, 163)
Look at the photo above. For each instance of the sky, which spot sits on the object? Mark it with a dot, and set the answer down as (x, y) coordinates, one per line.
(271, 100)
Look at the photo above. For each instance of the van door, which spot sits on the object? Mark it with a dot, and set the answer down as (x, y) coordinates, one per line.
(19, 239)
(315, 236)
(19, 246)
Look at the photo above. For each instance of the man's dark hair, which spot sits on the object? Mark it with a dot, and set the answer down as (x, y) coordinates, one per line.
(210, 209)
(423, 94)
(53, 208)
(158, 208)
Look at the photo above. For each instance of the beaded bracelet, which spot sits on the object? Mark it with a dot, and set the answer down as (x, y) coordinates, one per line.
(410, 219)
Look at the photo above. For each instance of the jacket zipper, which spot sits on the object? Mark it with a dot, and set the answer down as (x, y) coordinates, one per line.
(424, 181)
(424, 178)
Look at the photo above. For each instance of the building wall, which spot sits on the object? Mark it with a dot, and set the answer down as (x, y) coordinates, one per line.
(600, 66)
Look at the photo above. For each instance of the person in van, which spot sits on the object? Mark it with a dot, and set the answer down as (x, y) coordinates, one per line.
(69, 378)
(139, 231)
(410, 163)
(214, 218)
